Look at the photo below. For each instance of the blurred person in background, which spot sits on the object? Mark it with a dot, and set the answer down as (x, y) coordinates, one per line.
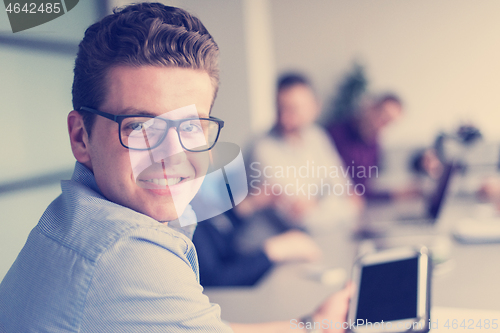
(489, 190)
(223, 263)
(296, 178)
(357, 140)
(427, 162)
(355, 124)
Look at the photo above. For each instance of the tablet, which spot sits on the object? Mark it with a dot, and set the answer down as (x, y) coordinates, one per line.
(392, 291)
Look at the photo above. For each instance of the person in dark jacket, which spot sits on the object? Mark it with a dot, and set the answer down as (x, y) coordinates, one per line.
(222, 263)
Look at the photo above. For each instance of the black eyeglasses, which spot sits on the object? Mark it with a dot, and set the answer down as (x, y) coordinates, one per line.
(140, 132)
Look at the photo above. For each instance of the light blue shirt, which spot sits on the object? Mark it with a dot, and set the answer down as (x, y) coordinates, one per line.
(91, 265)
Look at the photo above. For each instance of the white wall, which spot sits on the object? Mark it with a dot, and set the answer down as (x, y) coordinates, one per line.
(35, 98)
(441, 56)
(35, 94)
(260, 64)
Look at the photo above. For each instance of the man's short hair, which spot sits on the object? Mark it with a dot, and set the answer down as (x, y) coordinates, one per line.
(289, 80)
(145, 34)
(387, 97)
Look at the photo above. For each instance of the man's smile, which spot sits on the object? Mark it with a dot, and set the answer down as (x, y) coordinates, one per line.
(169, 181)
(163, 181)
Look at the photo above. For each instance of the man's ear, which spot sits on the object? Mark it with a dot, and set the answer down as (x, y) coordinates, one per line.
(79, 138)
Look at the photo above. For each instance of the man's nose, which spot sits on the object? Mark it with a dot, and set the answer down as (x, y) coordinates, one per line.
(170, 148)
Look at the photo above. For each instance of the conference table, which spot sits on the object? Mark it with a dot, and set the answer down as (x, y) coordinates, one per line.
(467, 277)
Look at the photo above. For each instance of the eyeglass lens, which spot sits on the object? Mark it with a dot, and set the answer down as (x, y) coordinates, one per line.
(147, 133)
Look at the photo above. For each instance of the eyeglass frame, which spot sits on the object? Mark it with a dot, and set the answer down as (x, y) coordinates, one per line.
(170, 123)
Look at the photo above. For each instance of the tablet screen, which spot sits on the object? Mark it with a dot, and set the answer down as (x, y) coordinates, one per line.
(388, 291)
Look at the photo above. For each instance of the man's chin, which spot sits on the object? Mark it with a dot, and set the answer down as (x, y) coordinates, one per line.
(164, 209)
(163, 216)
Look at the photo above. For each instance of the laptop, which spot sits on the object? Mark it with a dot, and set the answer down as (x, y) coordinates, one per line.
(418, 212)
(418, 229)
(434, 202)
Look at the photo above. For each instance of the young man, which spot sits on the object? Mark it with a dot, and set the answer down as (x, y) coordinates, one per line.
(295, 173)
(103, 257)
(357, 141)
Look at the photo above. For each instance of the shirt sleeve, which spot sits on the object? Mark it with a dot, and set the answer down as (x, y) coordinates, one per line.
(147, 282)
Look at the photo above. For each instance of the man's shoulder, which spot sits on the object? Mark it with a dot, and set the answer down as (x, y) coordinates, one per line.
(80, 233)
(84, 221)
(271, 140)
(317, 131)
(344, 131)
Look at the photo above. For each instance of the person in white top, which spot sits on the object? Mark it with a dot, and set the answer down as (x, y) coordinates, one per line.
(295, 170)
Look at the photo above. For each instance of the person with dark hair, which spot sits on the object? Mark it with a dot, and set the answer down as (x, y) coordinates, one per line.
(357, 141)
(106, 255)
(426, 162)
(295, 174)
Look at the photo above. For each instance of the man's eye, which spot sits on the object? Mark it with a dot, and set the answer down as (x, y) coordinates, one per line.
(139, 129)
(191, 127)
(138, 126)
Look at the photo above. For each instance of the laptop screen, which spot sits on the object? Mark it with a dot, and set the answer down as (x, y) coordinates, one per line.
(436, 200)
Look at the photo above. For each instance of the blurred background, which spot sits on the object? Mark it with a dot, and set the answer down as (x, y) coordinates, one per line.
(440, 56)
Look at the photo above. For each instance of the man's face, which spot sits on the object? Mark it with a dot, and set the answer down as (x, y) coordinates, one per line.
(297, 107)
(156, 91)
(387, 113)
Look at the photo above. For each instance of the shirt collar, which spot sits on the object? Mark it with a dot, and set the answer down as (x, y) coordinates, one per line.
(85, 176)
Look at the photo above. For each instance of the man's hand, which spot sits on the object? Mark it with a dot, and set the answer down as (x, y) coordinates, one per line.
(334, 309)
(295, 208)
(255, 202)
(292, 245)
(411, 192)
